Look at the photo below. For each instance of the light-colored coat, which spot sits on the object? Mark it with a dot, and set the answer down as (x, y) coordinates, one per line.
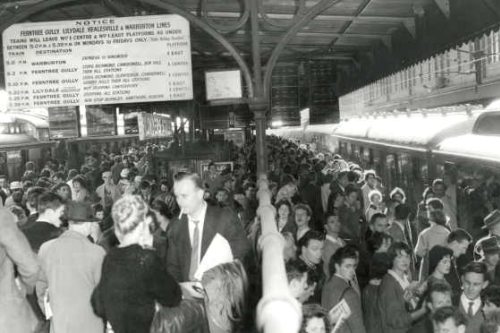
(114, 193)
(16, 315)
(71, 269)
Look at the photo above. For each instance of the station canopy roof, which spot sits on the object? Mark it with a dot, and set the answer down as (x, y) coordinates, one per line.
(342, 30)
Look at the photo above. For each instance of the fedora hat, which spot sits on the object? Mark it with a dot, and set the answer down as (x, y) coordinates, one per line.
(490, 245)
(80, 212)
(492, 219)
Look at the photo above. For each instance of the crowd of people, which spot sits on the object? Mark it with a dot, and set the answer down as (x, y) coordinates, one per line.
(115, 247)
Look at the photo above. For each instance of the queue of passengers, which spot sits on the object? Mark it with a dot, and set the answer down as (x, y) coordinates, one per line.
(115, 247)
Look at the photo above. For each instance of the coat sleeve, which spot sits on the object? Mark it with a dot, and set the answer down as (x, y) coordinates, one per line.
(328, 299)
(96, 299)
(392, 306)
(236, 236)
(355, 321)
(18, 250)
(421, 247)
(174, 266)
(42, 286)
(161, 285)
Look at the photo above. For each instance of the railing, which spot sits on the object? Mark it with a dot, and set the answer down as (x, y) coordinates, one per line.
(278, 311)
(465, 67)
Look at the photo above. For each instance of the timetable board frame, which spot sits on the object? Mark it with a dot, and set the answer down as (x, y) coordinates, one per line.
(223, 85)
(113, 60)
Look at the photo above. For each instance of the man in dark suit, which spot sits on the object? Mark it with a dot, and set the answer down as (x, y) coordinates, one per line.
(191, 234)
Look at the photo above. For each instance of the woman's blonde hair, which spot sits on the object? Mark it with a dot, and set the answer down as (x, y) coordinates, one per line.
(226, 288)
(128, 212)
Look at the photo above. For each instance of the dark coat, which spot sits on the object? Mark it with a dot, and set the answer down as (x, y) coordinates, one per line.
(315, 274)
(474, 322)
(392, 306)
(132, 280)
(188, 317)
(453, 278)
(424, 325)
(334, 291)
(217, 220)
(371, 315)
(39, 232)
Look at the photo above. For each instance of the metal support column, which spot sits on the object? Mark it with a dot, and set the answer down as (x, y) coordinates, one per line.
(258, 104)
(259, 114)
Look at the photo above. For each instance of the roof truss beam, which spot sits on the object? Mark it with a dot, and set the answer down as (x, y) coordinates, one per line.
(407, 21)
(444, 7)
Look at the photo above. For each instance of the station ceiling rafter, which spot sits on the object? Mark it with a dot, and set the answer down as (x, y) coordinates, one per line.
(353, 23)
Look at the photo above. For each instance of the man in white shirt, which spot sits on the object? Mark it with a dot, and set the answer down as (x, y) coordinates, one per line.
(192, 232)
(473, 282)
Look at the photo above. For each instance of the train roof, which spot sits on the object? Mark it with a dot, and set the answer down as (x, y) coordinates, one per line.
(10, 139)
(35, 120)
(416, 130)
(483, 147)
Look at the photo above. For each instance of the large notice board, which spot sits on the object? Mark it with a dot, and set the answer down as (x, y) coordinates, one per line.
(98, 61)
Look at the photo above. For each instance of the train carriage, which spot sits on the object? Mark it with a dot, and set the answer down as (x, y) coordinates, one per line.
(410, 149)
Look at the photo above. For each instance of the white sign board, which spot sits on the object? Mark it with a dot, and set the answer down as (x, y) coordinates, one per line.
(98, 61)
(223, 84)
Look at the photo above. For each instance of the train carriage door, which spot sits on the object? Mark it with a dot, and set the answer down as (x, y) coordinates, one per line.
(14, 164)
(391, 171)
(367, 158)
(3, 164)
(376, 162)
(407, 179)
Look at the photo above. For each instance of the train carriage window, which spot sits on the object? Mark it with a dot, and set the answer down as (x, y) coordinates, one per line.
(356, 153)
(488, 124)
(439, 169)
(3, 164)
(408, 181)
(367, 154)
(343, 148)
(349, 149)
(376, 162)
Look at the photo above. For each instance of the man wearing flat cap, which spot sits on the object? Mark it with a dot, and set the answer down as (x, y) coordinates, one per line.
(71, 269)
(491, 256)
(492, 224)
(15, 186)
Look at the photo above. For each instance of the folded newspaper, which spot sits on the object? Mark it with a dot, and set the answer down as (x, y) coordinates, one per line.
(339, 313)
(218, 252)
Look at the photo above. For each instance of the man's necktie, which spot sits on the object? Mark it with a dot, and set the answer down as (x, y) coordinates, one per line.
(194, 251)
(470, 311)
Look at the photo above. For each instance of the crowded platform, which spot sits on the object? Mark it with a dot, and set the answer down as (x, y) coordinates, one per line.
(115, 247)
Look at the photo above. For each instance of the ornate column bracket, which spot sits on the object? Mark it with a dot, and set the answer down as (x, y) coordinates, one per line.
(300, 12)
(301, 22)
(226, 28)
